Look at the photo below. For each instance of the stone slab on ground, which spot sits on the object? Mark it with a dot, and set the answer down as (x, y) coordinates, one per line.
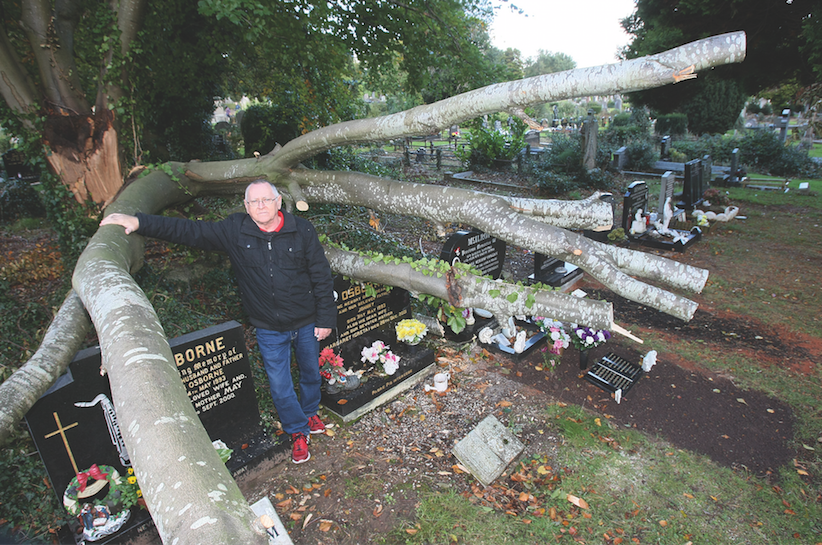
(488, 449)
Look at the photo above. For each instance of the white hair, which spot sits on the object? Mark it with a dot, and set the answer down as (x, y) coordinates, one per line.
(260, 182)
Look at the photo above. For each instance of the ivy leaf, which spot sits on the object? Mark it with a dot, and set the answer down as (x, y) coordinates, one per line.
(493, 293)
(512, 298)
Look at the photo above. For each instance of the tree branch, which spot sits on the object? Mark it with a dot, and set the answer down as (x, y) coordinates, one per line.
(476, 292)
(63, 338)
(492, 215)
(626, 76)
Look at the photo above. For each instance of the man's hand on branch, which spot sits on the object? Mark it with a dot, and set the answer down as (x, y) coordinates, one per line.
(130, 223)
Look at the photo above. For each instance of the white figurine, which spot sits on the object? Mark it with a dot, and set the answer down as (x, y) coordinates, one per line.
(638, 225)
(649, 361)
(519, 344)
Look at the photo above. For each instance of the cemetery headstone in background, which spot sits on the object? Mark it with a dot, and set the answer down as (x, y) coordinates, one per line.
(365, 316)
(554, 272)
(74, 425)
(482, 251)
(477, 249)
(692, 186)
(666, 191)
(16, 167)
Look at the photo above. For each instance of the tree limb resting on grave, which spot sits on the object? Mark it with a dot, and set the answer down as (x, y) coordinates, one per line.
(443, 281)
(63, 339)
(622, 77)
(494, 216)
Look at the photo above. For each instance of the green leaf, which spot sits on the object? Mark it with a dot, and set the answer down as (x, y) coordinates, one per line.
(512, 298)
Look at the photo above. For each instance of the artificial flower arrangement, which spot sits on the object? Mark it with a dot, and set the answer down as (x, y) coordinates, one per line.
(554, 330)
(410, 331)
(378, 353)
(331, 365)
(585, 338)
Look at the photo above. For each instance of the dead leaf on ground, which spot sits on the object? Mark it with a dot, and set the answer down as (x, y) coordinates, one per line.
(377, 510)
(504, 404)
(305, 522)
(579, 502)
(285, 505)
(342, 402)
(325, 525)
(295, 516)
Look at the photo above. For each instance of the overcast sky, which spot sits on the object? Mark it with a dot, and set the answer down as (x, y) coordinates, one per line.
(586, 30)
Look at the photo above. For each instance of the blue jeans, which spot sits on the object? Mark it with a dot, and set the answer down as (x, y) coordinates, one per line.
(275, 347)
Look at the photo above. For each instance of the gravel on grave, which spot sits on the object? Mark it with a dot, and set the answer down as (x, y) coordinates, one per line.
(431, 420)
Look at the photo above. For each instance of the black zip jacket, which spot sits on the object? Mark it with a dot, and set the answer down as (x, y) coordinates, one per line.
(284, 278)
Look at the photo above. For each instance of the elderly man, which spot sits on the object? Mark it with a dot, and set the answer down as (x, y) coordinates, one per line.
(286, 287)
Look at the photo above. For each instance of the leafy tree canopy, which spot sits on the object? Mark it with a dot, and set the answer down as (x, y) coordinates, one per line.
(548, 63)
(775, 31)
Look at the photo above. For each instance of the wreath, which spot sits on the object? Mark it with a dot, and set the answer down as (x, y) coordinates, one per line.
(79, 487)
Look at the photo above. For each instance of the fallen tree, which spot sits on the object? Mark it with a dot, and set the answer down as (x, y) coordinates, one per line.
(164, 437)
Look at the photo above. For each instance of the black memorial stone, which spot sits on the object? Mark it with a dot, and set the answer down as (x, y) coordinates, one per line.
(692, 186)
(367, 313)
(477, 249)
(554, 272)
(363, 308)
(74, 425)
(635, 199)
(16, 166)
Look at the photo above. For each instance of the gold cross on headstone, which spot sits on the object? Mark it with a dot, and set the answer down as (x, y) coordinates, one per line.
(62, 431)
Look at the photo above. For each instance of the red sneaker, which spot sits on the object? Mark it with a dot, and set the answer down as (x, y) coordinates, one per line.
(316, 425)
(299, 448)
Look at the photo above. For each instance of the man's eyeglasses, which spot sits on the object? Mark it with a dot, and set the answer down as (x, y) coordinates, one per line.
(256, 202)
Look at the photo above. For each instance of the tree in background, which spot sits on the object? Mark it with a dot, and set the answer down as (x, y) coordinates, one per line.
(548, 63)
(775, 31)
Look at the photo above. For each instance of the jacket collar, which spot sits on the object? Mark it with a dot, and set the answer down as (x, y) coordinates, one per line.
(248, 227)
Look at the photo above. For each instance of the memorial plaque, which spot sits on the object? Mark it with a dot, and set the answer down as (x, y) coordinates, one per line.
(74, 425)
(16, 166)
(477, 249)
(488, 449)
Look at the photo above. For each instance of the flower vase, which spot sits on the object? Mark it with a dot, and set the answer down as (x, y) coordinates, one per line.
(583, 359)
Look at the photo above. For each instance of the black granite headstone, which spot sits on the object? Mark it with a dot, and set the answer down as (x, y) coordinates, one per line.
(635, 198)
(554, 272)
(359, 312)
(16, 166)
(74, 425)
(477, 249)
(691, 187)
(707, 173)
